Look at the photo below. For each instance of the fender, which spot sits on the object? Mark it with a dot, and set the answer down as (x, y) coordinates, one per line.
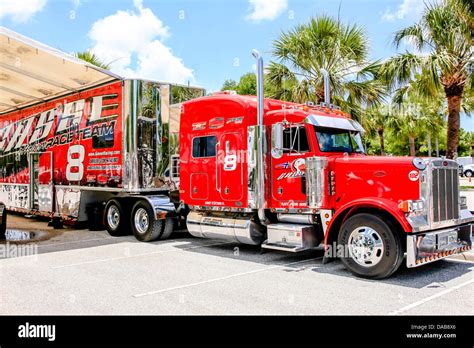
(371, 202)
(161, 205)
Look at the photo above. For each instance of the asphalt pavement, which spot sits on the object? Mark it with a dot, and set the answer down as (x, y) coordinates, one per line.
(89, 272)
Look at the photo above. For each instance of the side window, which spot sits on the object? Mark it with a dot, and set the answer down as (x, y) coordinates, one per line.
(204, 146)
(295, 139)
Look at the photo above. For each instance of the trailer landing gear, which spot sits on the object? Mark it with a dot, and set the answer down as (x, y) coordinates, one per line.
(3, 221)
(56, 223)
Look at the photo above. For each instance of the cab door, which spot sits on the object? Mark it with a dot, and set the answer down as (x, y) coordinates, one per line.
(288, 171)
(229, 167)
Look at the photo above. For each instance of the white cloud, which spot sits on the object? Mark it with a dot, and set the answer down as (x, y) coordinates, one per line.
(20, 10)
(134, 38)
(408, 8)
(266, 9)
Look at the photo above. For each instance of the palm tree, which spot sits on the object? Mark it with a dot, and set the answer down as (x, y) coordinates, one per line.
(324, 43)
(442, 57)
(376, 120)
(91, 58)
(415, 114)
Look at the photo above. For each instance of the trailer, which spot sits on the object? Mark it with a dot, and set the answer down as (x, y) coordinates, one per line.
(75, 139)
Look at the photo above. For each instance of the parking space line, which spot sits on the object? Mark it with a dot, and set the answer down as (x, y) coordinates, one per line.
(432, 297)
(223, 278)
(137, 255)
(74, 242)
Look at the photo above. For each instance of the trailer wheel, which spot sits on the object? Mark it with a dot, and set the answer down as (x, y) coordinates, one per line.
(371, 248)
(145, 226)
(115, 220)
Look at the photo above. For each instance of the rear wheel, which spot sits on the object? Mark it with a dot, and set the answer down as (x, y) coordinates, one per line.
(372, 248)
(145, 226)
(167, 227)
(116, 222)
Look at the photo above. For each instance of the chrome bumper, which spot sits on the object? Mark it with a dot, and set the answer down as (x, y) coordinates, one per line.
(426, 247)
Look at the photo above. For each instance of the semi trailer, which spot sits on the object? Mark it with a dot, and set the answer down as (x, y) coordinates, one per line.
(283, 176)
(74, 137)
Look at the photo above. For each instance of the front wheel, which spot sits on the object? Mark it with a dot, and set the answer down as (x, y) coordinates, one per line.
(371, 248)
(468, 173)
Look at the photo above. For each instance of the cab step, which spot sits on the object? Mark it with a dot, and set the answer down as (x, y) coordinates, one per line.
(290, 237)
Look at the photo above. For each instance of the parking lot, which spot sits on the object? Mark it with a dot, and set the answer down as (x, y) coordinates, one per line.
(89, 272)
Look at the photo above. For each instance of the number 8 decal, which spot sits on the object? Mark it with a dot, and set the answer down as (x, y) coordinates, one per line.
(75, 166)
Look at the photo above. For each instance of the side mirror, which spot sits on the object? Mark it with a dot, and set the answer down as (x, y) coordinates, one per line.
(277, 140)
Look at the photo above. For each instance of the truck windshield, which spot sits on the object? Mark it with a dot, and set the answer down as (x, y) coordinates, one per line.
(339, 140)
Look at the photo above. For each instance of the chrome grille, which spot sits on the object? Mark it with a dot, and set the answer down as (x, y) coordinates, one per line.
(445, 191)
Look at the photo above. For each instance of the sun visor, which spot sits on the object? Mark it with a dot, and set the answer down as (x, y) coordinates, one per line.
(334, 122)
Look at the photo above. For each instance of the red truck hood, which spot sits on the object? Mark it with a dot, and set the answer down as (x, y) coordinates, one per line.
(392, 178)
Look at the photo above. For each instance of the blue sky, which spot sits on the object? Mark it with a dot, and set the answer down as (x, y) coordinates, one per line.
(201, 41)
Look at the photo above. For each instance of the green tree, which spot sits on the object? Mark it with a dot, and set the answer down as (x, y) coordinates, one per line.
(229, 85)
(247, 84)
(375, 121)
(325, 43)
(91, 58)
(443, 51)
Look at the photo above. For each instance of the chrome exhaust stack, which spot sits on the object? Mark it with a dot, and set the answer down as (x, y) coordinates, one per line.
(327, 91)
(261, 138)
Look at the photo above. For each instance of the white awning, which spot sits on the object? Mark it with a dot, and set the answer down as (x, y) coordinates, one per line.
(31, 72)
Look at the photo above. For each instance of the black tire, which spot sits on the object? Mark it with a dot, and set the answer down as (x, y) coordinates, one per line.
(118, 224)
(468, 173)
(145, 226)
(168, 228)
(3, 224)
(385, 260)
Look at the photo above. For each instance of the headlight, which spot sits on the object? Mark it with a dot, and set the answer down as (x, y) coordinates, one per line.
(419, 163)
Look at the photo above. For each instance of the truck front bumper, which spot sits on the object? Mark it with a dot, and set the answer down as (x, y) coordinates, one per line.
(429, 246)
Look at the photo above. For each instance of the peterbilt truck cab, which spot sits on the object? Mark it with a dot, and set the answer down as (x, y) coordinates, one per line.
(292, 177)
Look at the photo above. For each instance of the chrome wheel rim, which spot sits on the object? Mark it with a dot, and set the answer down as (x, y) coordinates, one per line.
(366, 246)
(141, 220)
(113, 217)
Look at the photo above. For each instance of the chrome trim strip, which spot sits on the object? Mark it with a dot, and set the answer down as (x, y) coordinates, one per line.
(90, 188)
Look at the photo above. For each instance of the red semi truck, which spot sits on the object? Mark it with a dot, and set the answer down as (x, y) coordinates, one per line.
(250, 170)
(292, 177)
